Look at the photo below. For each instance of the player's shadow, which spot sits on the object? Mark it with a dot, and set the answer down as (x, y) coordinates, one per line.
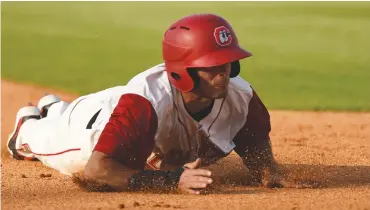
(326, 176)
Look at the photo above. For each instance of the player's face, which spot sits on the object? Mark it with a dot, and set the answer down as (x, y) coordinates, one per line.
(214, 81)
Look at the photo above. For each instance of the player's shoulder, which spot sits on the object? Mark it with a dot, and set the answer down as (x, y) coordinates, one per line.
(157, 72)
(241, 86)
(152, 83)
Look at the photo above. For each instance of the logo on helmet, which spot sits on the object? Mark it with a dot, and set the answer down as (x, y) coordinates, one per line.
(223, 36)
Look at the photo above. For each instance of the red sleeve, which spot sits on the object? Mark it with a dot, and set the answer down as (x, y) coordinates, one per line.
(128, 136)
(253, 140)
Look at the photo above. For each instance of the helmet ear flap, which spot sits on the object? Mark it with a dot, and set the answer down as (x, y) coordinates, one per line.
(180, 78)
(235, 69)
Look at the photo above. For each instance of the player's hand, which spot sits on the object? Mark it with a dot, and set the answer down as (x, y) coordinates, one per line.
(194, 179)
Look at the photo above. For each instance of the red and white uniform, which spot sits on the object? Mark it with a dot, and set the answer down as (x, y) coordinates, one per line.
(145, 125)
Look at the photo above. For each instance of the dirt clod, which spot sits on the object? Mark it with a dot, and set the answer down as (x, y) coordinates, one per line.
(45, 175)
(162, 205)
(23, 176)
(121, 206)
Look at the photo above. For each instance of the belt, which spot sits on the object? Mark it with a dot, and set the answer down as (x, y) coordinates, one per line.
(92, 120)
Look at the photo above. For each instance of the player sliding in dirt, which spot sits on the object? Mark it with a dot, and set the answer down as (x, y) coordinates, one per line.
(159, 130)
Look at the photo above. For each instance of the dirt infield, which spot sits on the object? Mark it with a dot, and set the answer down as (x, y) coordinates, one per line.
(332, 148)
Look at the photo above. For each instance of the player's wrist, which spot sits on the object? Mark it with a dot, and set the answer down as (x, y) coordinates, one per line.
(155, 180)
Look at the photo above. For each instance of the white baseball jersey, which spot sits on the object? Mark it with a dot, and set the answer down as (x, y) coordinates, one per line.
(144, 124)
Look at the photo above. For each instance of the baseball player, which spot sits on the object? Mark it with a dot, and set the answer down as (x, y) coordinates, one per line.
(165, 125)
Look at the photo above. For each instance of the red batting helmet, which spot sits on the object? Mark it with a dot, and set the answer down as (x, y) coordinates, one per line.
(201, 40)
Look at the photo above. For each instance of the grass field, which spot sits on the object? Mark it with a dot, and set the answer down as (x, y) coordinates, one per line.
(307, 55)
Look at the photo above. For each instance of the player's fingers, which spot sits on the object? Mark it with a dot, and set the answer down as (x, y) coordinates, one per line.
(200, 172)
(191, 191)
(201, 179)
(196, 185)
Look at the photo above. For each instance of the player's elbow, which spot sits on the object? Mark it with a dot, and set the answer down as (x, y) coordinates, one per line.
(93, 179)
(94, 168)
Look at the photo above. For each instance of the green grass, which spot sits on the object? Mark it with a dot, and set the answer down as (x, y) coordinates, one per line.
(307, 55)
